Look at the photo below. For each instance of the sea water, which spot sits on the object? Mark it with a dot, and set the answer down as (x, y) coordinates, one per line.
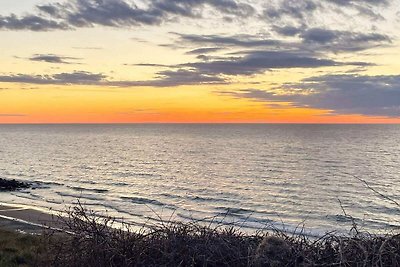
(254, 176)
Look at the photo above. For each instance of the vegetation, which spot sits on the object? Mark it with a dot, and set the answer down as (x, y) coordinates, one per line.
(19, 249)
(90, 240)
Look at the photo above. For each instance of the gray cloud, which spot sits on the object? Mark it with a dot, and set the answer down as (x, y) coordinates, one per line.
(178, 77)
(306, 11)
(31, 22)
(186, 7)
(125, 13)
(319, 35)
(291, 8)
(51, 58)
(327, 40)
(203, 50)
(309, 39)
(248, 62)
(271, 54)
(343, 94)
(287, 30)
(253, 62)
(116, 13)
(364, 7)
(150, 65)
(354, 2)
(163, 79)
(322, 35)
(77, 77)
(236, 40)
(341, 41)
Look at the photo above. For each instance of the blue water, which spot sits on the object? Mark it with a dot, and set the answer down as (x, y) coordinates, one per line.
(255, 176)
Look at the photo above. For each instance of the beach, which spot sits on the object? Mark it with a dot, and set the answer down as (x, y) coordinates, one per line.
(90, 240)
(25, 220)
(83, 237)
(170, 195)
(207, 133)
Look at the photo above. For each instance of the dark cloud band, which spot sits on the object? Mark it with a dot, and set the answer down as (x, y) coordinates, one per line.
(342, 94)
(166, 78)
(116, 13)
(51, 58)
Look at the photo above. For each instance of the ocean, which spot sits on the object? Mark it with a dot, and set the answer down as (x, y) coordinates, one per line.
(254, 176)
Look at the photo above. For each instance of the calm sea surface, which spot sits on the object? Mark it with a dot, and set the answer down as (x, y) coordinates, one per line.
(254, 176)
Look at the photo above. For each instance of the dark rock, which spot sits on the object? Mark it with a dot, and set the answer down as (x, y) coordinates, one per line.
(11, 185)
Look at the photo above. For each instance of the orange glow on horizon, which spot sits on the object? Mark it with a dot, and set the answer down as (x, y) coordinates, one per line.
(91, 104)
(201, 69)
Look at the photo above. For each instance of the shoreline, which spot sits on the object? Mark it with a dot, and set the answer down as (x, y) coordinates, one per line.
(25, 219)
(173, 244)
(33, 220)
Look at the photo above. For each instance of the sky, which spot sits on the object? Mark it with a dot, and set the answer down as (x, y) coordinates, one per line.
(200, 61)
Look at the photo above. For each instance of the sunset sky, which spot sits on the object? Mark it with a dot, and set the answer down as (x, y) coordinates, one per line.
(127, 61)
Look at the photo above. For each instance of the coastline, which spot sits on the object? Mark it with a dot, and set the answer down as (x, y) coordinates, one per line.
(25, 219)
(173, 244)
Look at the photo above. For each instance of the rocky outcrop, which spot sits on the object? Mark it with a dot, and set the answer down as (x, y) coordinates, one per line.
(11, 185)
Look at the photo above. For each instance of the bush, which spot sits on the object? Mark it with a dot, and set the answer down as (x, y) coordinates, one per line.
(91, 240)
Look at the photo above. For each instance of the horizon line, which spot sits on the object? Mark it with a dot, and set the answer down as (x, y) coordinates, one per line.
(203, 123)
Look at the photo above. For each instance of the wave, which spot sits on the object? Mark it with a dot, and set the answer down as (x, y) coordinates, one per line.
(78, 188)
(339, 218)
(211, 199)
(80, 196)
(49, 183)
(142, 200)
(135, 174)
(235, 211)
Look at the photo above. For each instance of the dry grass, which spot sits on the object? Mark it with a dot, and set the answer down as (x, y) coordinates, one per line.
(19, 249)
(92, 241)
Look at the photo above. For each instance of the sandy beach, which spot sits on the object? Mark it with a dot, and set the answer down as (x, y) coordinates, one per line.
(25, 219)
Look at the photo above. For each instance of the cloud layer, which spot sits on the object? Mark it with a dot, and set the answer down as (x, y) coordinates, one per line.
(116, 13)
(126, 13)
(288, 34)
(51, 58)
(342, 94)
(164, 79)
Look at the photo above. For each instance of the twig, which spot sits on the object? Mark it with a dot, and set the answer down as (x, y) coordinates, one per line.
(376, 191)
